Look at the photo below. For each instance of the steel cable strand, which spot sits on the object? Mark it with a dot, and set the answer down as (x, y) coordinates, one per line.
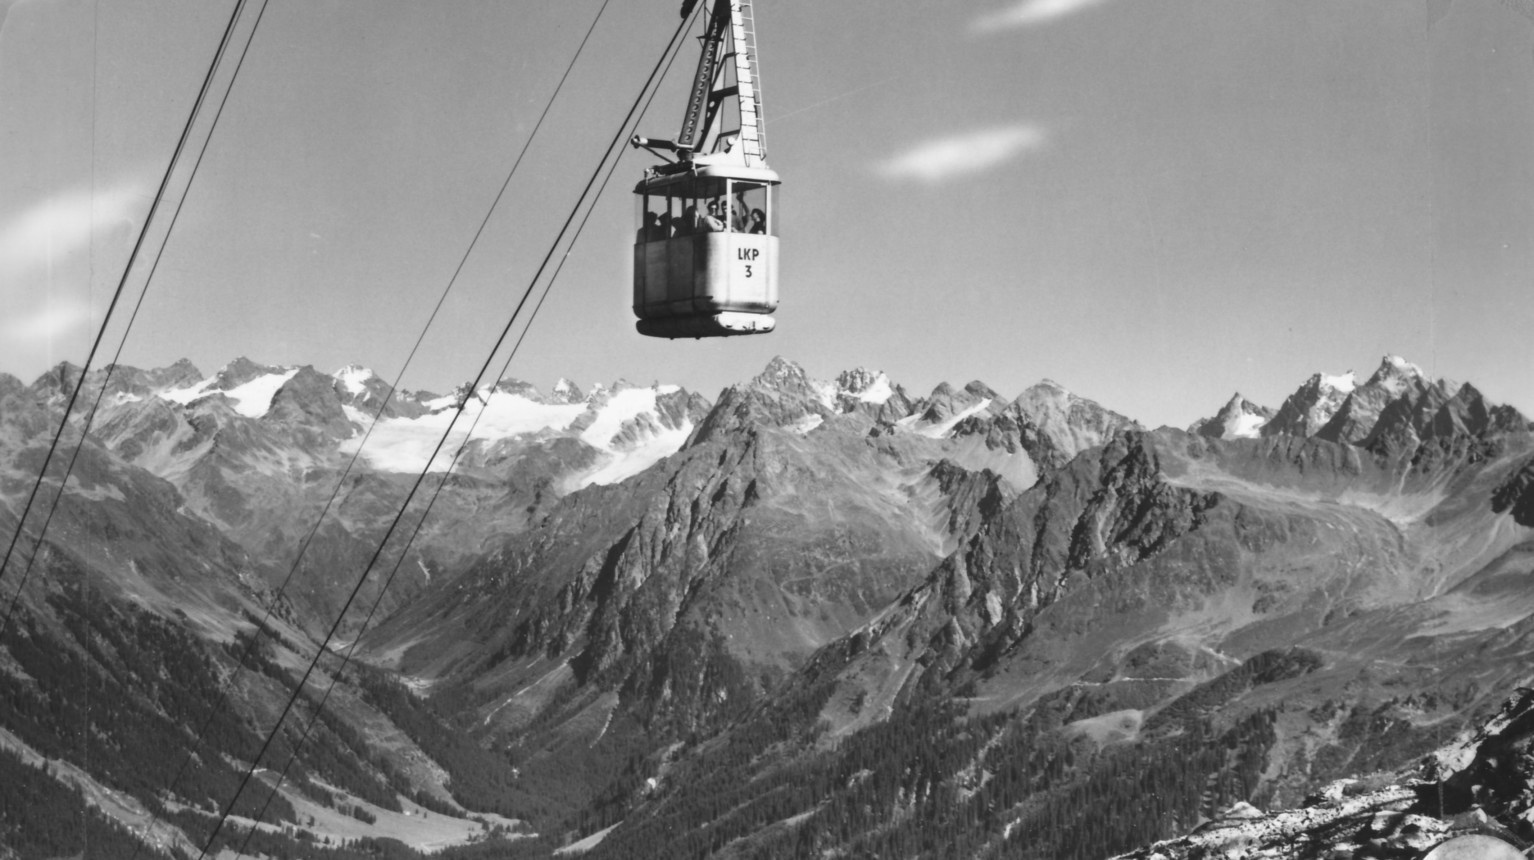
(133, 317)
(112, 366)
(415, 487)
(261, 628)
(121, 285)
(432, 501)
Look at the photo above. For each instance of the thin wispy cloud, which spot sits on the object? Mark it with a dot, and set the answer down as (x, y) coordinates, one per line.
(1029, 13)
(56, 318)
(60, 226)
(949, 157)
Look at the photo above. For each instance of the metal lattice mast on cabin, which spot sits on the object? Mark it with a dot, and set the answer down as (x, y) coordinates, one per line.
(735, 19)
(753, 134)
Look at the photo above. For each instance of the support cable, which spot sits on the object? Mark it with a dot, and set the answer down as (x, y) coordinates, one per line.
(74, 395)
(415, 487)
(378, 414)
(457, 454)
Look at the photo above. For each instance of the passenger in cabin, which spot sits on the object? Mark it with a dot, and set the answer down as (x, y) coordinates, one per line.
(705, 222)
(758, 221)
(665, 231)
(652, 228)
(688, 222)
(715, 221)
(740, 214)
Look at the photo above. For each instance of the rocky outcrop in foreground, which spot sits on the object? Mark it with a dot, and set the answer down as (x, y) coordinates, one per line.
(1478, 791)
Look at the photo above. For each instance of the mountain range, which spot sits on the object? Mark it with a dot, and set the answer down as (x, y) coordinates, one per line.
(807, 618)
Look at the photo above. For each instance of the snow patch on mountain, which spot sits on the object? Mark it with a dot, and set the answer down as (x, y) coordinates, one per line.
(354, 377)
(1247, 425)
(877, 392)
(622, 407)
(864, 386)
(358, 417)
(1343, 382)
(1237, 419)
(254, 398)
(1396, 374)
(187, 395)
(566, 391)
(804, 425)
(405, 444)
(605, 421)
(941, 429)
(626, 464)
(502, 415)
(251, 399)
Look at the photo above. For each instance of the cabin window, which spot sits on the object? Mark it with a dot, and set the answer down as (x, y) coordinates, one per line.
(658, 217)
(750, 206)
(705, 205)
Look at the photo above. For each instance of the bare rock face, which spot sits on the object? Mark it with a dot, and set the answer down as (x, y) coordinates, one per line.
(864, 391)
(1063, 425)
(1039, 593)
(1516, 496)
(1312, 406)
(781, 396)
(306, 406)
(1492, 769)
(946, 402)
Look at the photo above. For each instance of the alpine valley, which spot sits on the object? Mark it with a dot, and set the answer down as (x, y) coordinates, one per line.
(808, 619)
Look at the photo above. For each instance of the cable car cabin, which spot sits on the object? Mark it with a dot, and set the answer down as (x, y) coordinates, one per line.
(706, 245)
(706, 250)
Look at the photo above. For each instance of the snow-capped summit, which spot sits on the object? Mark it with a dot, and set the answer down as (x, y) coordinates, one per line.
(1342, 382)
(1239, 418)
(249, 387)
(863, 386)
(1396, 374)
(1312, 405)
(354, 378)
(566, 391)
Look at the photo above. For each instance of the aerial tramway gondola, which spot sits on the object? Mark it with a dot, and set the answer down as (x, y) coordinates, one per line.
(705, 248)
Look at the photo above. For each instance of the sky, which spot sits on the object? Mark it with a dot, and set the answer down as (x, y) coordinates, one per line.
(1156, 203)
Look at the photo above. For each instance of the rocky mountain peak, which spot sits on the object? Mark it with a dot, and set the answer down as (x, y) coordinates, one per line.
(308, 404)
(1311, 406)
(354, 377)
(946, 403)
(59, 379)
(782, 395)
(781, 373)
(1063, 424)
(863, 384)
(1396, 374)
(976, 388)
(510, 385)
(182, 372)
(240, 371)
(566, 391)
(1239, 418)
(10, 385)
